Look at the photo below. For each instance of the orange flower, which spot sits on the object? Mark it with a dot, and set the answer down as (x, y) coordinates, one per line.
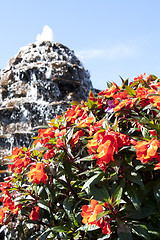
(5, 186)
(146, 151)
(85, 122)
(60, 142)
(73, 113)
(157, 166)
(139, 77)
(97, 126)
(16, 208)
(104, 225)
(2, 214)
(109, 92)
(37, 173)
(105, 153)
(89, 213)
(155, 100)
(121, 95)
(105, 144)
(16, 151)
(34, 215)
(60, 133)
(143, 92)
(75, 138)
(49, 154)
(48, 132)
(125, 103)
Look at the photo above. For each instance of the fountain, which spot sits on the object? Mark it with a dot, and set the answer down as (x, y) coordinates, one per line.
(38, 83)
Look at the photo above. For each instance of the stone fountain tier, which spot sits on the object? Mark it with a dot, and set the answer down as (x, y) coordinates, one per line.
(49, 70)
(38, 83)
(19, 118)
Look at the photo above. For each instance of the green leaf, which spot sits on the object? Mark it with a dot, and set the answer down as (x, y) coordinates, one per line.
(87, 158)
(69, 134)
(118, 194)
(156, 191)
(104, 237)
(102, 214)
(100, 194)
(141, 231)
(67, 204)
(60, 229)
(135, 177)
(135, 197)
(147, 209)
(95, 178)
(130, 91)
(124, 82)
(44, 235)
(91, 104)
(43, 204)
(88, 228)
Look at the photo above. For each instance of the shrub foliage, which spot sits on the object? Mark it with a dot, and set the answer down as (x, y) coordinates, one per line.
(92, 173)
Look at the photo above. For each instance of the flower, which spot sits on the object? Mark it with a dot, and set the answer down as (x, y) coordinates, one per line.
(34, 215)
(157, 166)
(111, 105)
(73, 113)
(4, 186)
(21, 160)
(105, 144)
(89, 213)
(37, 173)
(85, 122)
(2, 214)
(45, 133)
(155, 100)
(146, 151)
(104, 225)
(75, 138)
(109, 92)
(49, 154)
(125, 103)
(139, 77)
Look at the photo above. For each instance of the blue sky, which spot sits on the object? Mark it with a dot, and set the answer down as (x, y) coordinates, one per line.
(113, 38)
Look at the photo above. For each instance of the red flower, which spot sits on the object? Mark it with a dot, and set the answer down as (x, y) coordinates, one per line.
(48, 132)
(85, 122)
(104, 225)
(139, 77)
(73, 113)
(37, 173)
(97, 126)
(49, 154)
(105, 144)
(2, 214)
(60, 142)
(75, 138)
(125, 103)
(34, 215)
(21, 160)
(89, 213)
(5, 186)
(157, 166)
(109, 92)
(146, 151)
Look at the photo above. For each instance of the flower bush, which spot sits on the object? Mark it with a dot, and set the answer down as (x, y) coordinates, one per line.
(92, 173)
